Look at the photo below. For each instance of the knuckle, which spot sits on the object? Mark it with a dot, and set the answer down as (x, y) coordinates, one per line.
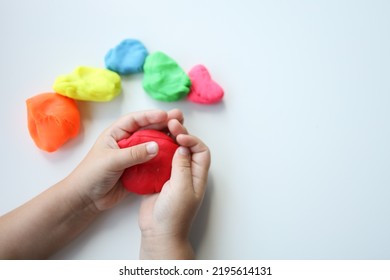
(136, 153)
(185, 164)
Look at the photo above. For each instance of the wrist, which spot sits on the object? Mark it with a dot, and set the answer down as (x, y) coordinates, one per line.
(164, 247)
(78, 202)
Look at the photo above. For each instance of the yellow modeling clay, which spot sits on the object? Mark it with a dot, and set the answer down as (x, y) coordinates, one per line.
(89, 84)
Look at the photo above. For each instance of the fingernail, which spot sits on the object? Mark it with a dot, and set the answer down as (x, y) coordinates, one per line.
(184, 151)
(152, 148)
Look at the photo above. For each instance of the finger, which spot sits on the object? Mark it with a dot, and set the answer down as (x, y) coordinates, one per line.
(201, 159)
(194, 143)
(130, 123)
(124, 158)
(176, 128)
(181, 175)
(176, 114)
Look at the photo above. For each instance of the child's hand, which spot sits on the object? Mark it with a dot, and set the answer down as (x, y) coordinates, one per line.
(96, 178)
(165, 218)
(47, 222)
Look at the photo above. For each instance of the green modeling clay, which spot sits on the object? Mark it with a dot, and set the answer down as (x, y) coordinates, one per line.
(89, 84)
(164, 79)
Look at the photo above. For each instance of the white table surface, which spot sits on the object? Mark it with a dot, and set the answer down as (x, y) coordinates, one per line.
(300, 145)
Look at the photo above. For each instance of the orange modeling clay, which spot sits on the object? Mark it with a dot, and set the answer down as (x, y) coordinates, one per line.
(53, 119)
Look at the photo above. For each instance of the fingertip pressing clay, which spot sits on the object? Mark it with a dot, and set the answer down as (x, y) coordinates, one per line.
(89, 84)
(164, 79)
(53, 119)
(126, 58)
(149, 177)
(203, 89)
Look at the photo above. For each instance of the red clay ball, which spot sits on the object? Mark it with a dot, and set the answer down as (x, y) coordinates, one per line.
(149, 177)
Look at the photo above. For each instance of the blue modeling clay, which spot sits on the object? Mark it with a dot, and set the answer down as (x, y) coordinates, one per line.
(126, 58)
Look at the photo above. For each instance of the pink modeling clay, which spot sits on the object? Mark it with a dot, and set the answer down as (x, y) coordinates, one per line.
(203, 89)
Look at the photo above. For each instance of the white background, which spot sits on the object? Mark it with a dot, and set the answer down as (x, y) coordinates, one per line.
(300, 145)
(200, 269)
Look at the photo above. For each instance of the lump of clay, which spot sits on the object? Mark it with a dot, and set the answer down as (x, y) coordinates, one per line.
(204, 89)
(164, 80)
(53, 119)
(149, 177)
(89, 84)
(126, 58)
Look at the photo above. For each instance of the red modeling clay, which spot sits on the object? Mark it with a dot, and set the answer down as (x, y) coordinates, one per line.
(203, 88)
(52, 120)
(149, 177)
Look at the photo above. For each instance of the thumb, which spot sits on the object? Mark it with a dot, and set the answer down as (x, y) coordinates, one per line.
(134, 155)
(181, 175)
